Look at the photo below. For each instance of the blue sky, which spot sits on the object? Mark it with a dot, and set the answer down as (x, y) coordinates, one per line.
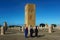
(12, 11)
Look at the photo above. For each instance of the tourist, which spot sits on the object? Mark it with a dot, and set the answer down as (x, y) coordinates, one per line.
(26, 32)
(36, 31)
(31, 32)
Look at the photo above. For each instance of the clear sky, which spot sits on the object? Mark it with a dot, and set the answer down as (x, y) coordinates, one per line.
(12, 11)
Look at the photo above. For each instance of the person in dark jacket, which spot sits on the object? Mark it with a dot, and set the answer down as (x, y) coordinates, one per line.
(31, 32)
(36, 31)
(26, 32)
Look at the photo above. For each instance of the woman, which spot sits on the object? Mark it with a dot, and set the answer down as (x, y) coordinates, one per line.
(26, 32)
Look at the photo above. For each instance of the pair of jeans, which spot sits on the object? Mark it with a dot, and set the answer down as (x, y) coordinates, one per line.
(26, 35)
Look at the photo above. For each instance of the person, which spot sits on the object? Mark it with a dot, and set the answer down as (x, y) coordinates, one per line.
(31, 32)
(36, 31)
(26, 32)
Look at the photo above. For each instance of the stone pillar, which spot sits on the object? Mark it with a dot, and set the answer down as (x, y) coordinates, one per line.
(2, 31)
(5, 26)
(41, 27)
(46, 25)
(50, 29)
(19, 28)
(38, 28)
(22, 29)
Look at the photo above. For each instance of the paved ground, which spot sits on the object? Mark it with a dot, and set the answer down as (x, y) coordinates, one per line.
(16, 35)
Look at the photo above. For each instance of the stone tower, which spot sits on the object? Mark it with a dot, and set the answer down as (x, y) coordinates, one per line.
(30, 14)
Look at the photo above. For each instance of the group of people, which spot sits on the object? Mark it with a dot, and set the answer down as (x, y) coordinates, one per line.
(31, 31)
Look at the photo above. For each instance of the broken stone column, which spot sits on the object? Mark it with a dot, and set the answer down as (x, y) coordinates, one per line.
(22, 29)
(19, 28)
(46, 25)
(5, 26)
(2, 31)
(41, 27)
(38, 28)
(50, 29)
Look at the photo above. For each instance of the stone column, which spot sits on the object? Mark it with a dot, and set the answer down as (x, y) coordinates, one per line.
(5, 26)
(38, 28)
(2, 31)
(19, 28)
(41, 27)
(46, 25)
(22, 29)
(50, 29)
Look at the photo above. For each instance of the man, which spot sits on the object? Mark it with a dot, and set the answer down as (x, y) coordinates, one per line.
(31, 32)
(36, 31)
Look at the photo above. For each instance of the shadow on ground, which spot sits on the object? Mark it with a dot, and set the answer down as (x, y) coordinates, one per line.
(36, 36)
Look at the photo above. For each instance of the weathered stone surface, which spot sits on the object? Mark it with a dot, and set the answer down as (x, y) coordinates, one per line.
(50, 29)
(5, 26)
(46, 25)
(30, 14)
(2, 31)
(22, 29)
